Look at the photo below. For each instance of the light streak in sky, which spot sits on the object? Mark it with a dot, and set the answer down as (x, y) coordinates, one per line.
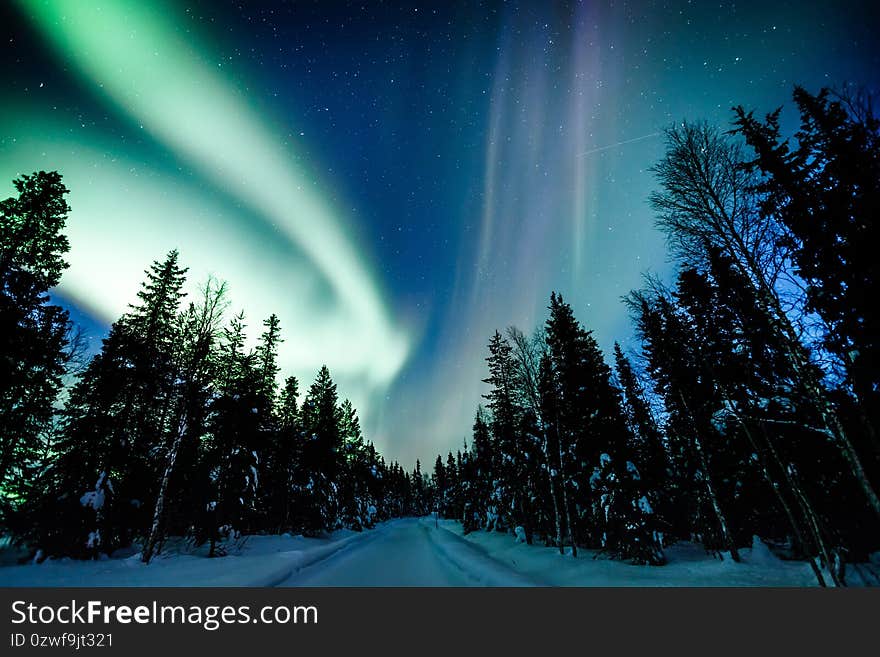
(136, 57)
(619, 143)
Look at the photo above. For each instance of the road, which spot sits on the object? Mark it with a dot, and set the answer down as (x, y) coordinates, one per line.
(401, 553)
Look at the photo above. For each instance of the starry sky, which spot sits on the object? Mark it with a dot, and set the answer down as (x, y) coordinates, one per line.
(395, 181)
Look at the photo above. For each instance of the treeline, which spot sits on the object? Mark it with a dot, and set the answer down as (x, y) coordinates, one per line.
(174, 428)
(749, 406)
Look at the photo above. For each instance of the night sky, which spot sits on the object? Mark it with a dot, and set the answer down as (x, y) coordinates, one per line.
(395, 182)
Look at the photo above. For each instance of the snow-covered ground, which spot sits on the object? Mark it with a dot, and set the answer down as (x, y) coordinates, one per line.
(259, 561)
(418, 552)
(689, 565)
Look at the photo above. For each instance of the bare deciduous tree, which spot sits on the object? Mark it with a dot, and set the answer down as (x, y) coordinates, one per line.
(708, 199)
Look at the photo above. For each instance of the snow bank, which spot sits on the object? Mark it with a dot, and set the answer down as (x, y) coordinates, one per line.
(414, 552)
(688, 565)
(472, 560)
(261, 561)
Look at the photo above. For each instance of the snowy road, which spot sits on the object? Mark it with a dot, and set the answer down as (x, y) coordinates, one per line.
(415, 552)
(403, 553)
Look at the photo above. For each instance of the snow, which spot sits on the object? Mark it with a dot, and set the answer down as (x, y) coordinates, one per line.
(760, 552)
(418, 552)
(411, 552)
(94, 539)
(95, 498)
(633, 470)
(688, 565)
(258, 561)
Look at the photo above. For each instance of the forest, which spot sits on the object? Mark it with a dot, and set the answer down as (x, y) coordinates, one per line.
(747, 406)
(174, 428)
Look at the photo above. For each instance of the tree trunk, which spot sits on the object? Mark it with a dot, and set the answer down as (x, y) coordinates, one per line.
(526, 515)
(725, 229)
(817, 544)
(805, 506)
(769, 302)
(158, 513)
(565, 505)
(716, 504)
(553, 492)
(726, 536)
(808, 549)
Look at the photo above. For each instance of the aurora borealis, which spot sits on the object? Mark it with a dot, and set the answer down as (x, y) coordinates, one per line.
(394, 182)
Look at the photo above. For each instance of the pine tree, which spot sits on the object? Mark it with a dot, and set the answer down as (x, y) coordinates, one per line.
(554, 453)
(358, 506)
(266, 365)
(231, 454)
(322, 456)
(709, 199)
(590, 420)
(283, 459)
(450, 503)
(624, 513)
(477, 476)
(116, 423)
(755, 385)
(441, 484)
(419, 492)
(76, 516)
(152, 345)
(691, 399)
(825, 190)
(33, 333)
(648, 450)
(266, 355)
(506, 423)
(199, 327)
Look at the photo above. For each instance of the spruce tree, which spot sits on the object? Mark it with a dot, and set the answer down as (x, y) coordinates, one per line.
(33, 332)
(181, 487)
(322, 456)
(283, 459)
(555, 453)
(441, 481)
(477, 476)
(231, 451)
(825, 189)
(357, 504)
(450, 504)
(647, 447)
(116, 423)
(590, 420)
(691, 399)
(710, 197)
(509, 440)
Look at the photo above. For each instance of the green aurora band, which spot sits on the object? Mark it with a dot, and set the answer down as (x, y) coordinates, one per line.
(243, 184)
